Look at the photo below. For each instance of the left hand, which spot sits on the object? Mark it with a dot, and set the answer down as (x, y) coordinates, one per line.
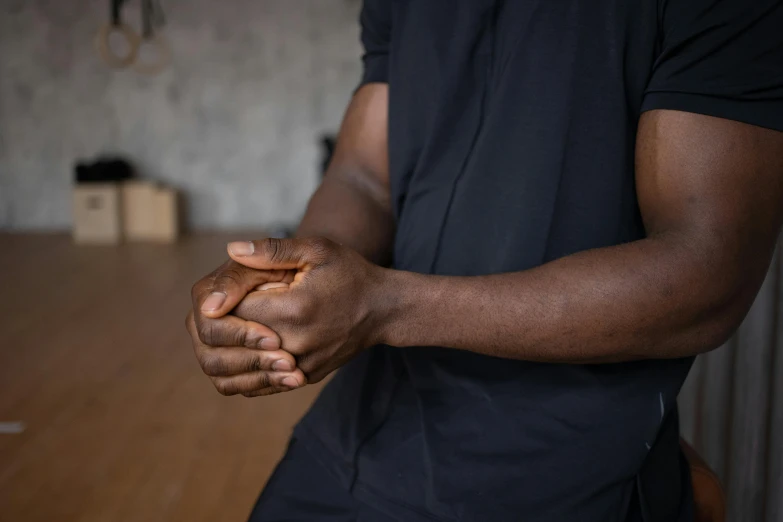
(327, 314)
(240, 357)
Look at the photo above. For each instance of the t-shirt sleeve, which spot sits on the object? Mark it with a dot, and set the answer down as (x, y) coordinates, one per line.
(375, 21)
(721, 58)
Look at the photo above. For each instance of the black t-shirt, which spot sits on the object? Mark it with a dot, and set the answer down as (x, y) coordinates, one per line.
(512, 127)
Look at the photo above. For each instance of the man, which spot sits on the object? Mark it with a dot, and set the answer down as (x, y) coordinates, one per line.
(574, 200)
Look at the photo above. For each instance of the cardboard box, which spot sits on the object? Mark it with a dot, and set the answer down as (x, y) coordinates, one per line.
(138, 210)
(96, 213)
(149, 212)
(166, 215)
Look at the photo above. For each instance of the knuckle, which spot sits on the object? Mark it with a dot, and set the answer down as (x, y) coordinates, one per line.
(201, 286)
(272, 248)
(196, 290)
(320, 246)
(262, 381)
(206, 332)
(320, 242)
(254, 364)
(205, 283)
(229, 276)
(218, 332)
(213, 366)
(239, 337)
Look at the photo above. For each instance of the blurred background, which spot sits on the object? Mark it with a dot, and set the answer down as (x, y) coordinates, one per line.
(232, 120)
(123, 175)
(120, 183)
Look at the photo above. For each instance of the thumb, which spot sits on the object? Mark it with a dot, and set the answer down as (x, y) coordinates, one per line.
(280, 254)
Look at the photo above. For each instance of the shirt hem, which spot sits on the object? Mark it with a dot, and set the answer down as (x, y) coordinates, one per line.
(345, 473)
(762, 113)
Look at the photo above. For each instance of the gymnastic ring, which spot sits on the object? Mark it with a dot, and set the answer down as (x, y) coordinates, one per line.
(164, 56)
(104, 49)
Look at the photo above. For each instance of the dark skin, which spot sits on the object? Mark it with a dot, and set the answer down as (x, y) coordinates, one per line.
(711, 195)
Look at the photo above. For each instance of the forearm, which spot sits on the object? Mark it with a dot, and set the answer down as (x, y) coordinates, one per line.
(655, 298)
(351, 212)
(352, 206)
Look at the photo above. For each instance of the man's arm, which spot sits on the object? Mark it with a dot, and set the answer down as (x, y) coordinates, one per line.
(352, 206)
(711, 196)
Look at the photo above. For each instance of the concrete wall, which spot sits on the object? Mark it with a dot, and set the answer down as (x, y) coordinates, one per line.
(233, 123)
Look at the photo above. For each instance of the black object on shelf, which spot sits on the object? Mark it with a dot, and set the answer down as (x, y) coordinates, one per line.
(103, 169)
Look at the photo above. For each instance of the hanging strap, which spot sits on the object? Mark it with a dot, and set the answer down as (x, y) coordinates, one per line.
(152, 18)
(116, 12)
(116, 26)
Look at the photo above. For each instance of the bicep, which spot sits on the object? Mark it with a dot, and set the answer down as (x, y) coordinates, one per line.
(361, 158)
(713, 183)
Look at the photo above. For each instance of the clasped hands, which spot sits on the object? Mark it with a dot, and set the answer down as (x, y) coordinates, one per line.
(282, 313)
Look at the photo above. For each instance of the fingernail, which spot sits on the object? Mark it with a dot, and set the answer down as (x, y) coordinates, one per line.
(270, 343)
(213, 302)
(241, 248)
(290, 382)
(282, 365)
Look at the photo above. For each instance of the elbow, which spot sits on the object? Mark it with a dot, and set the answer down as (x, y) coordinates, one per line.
(718, 281)
(718, 316)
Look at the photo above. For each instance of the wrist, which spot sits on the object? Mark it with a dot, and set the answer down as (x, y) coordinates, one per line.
(389, 302)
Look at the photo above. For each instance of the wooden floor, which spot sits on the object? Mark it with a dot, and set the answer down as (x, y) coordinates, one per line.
(121, 424)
